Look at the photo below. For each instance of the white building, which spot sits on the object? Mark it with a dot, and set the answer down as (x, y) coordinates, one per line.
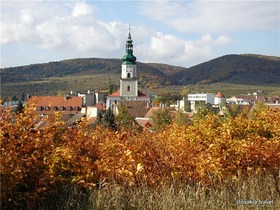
(241, 100)
(219, 99)
(208, 98)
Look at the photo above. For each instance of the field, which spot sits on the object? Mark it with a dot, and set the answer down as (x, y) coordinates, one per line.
(211, 162)
(58, 85)
(82, 83)
(228, 89)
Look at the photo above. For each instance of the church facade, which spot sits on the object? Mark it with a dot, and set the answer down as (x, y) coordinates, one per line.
(128, 81)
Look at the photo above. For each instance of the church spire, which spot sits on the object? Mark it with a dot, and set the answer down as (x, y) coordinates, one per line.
(129, 58)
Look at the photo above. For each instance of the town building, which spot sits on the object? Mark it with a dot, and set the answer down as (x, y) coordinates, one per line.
(241, 100)
(208, 98)
(72, 106)
(219, 99)
(196, 99)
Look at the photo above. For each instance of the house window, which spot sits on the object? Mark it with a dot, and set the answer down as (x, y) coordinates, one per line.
(128, 88)
(61, 108)
(47, 108)
(39, 108)
(128, 75)
(76, 108)
(54, 108)
(69, 108)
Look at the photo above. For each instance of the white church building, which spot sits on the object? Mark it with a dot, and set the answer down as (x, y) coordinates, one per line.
(128, 82)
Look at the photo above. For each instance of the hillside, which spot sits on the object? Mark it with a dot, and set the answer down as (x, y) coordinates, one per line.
(97, 73)
(239, 69)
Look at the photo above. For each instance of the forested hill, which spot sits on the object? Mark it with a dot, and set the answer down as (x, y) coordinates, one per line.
(248, 68)
(77, 73)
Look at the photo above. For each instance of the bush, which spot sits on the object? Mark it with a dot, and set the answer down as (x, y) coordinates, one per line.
(39, 162)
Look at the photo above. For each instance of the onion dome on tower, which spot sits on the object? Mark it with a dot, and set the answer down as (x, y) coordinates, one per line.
(129, 58)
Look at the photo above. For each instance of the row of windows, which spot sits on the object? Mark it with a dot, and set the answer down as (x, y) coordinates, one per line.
(55, 108)
(197, 96)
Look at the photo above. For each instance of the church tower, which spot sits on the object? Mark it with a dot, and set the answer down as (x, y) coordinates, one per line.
(128, 92)
(128, 80)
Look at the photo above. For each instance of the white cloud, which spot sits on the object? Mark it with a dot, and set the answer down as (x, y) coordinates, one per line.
(72, 29)
(169, 49)
(222, 40)
(215, 16)
(81, 9)
(26, 16)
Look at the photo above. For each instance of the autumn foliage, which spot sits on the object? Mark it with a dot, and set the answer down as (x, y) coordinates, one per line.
(210, 151)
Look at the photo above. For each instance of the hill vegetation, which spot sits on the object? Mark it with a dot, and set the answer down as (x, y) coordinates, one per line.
(239, 69)
(97, 73)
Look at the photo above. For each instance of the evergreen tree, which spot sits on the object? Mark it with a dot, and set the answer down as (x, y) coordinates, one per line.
(23, 97)
(107, 119)
(19, 108)
(14, 98)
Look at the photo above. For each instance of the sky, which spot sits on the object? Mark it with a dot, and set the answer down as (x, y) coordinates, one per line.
(181, 33)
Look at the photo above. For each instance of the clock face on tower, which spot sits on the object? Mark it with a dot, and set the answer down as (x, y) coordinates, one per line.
(129, 69)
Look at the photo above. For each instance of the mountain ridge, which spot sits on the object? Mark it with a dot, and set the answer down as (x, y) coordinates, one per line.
(232, 68)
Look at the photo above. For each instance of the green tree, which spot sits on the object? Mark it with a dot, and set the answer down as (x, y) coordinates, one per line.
(19, 107)
(181, 118)
(23, 97)
(160, 119)
(234, 110)
(158, 100)
(14, 98)
(112, 88)
(124, 119)
(202, 110)
(107, 119)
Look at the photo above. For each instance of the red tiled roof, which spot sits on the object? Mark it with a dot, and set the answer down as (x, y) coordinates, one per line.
(150, 112)
(145, 122)
(140, 94)
(100, 106)
(115, 94)
(118, 94)
(219, 95)
(58, 101)
(136, 108)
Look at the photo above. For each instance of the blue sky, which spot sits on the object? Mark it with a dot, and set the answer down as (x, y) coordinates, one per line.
(181, 33)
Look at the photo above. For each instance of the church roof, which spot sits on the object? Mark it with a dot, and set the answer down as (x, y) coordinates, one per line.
(136, 108)
(141, 94)
(118, 94)
(115, 94)
(129, 58)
